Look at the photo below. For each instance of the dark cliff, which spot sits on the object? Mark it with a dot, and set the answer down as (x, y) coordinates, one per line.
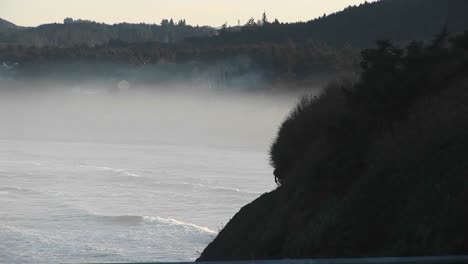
(377, 167)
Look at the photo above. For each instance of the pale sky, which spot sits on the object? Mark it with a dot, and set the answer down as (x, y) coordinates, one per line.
(202, 12)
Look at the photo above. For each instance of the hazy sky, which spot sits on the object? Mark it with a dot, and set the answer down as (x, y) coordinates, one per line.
(203, 12)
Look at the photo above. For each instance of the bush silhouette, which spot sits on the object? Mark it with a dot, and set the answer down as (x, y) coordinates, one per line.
(371, 168)
(342, 121)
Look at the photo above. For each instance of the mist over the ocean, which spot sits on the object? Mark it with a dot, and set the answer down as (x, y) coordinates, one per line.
(176, 115)
(137, 174)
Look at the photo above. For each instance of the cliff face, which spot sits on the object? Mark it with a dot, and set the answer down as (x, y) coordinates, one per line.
(374, 168)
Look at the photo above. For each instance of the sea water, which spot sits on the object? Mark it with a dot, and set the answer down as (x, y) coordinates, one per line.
(143, 175)
(73, 202)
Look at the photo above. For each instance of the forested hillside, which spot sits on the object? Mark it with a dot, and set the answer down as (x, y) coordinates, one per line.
(275, 52)
(285, 62)
(359, 26)
(6, 26)
(81, 32)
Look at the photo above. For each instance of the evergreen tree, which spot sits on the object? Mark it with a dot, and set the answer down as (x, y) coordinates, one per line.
(264, 19)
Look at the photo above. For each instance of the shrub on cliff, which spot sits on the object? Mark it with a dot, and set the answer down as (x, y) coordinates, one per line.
(336, 127)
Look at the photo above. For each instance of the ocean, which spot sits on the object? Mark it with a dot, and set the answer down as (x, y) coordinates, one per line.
(150, 174)
(75, 202)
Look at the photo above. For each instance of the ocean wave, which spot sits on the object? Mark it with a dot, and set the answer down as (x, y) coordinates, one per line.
(118, 171)
(228, 189)
(218, 188)
(125, 219)
(35, 163)
(30, 234)
(10, 190)
(137, 220)
(53, 244)
(174, 222)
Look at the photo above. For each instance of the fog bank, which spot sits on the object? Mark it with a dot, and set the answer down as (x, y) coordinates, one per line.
(145, 115)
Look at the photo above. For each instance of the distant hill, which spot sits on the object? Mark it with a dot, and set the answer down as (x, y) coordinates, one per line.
(357, 26)
(361, 26)
(82, 32)
(8, 29)
(7, 26)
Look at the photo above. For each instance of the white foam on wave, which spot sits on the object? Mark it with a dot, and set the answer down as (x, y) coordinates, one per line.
(175, 222)
(35, 163)
(218, 188)
(136, 220)
(119, 171)
(228, 189)
(8, 190)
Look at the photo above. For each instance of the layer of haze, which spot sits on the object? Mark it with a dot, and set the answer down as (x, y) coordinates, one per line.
(175, 116)
(202, 12)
